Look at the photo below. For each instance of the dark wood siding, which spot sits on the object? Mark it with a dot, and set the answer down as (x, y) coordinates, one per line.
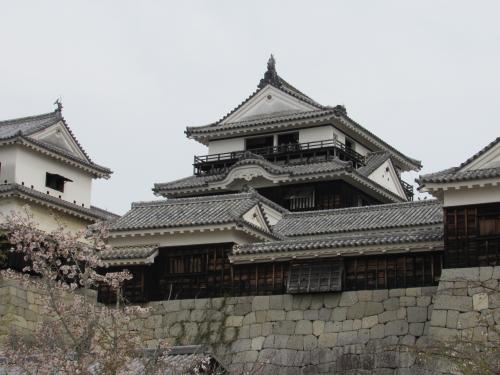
(205, 271)
(472, 236)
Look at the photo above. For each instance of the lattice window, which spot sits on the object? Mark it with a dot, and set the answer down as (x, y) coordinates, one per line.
(315, 277)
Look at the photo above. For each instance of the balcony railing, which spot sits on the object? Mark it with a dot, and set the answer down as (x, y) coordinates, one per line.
(282, 154)
(408, 189)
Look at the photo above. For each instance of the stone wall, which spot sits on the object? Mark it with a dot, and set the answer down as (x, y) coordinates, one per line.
(343, 333)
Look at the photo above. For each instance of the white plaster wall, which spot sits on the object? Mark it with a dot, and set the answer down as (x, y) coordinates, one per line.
(387, 179)
(47, 219)
(8, 164)
(226, 145)
(184, 239)
(31, 168)
(320, 133)
(477, 195)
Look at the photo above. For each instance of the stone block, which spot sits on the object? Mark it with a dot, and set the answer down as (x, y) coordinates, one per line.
(459, 303)
(187, 304)
(331, 300)
(468, 320)
(397, 292)
(424, 301)
(339, 313)
(316, 301)
(284, 327)
(348, 299)
(249, 318)
(295, 315)
(260, 303)
(255, 330)
(391, 304)
(172, 306)
(387, 316)
(485, 273)
(311, 314)
(348, 325)
(444, 334)
(303, 327)
(373, 308)
(356, 311)
(333, 327)
(407, 301)
(413, 292)
(365, 295)
(380, 295)
(288, 302)
(324, 314)
(416, 329)
(195, 316)
(295, 342)
(242, 308)
(452, 319)
(267, 328)
(275, 315)
(480, 301)
(234, 321)
(310, 342)
(244, 332)
(396, 328)
(327, 340)
(457, 274)
(302, 301)
(260, 316)
(356, 324)
(438, 318)
(154, 321)
(318, 327)
(347, 338)
(417, 314)
(276, 302)
(369, 321)
(241, 345)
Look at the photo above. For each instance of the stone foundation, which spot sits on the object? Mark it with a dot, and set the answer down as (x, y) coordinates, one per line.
(342, 333)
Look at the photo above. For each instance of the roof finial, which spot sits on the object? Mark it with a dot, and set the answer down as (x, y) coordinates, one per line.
(59, 105)
(270, 76)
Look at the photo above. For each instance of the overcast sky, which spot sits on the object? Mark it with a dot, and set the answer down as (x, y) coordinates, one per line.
(422, 75)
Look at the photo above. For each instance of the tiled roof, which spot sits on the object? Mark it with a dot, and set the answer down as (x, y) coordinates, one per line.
(480, 152)
(292, 169)
(344, 243)
(92, 213)
(128, 252)
(185, 212)
(23, 128)
(373, 161)
(455, 174)
(395, 215)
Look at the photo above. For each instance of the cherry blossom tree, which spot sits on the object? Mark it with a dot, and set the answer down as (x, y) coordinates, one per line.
(75, 334)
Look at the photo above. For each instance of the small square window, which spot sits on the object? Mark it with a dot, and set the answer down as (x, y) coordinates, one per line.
(55, 181)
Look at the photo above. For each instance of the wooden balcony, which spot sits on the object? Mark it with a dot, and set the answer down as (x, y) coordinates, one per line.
(282, 154)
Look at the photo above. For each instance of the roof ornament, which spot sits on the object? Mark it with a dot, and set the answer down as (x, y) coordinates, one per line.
(270, 76)
(59, 105)
(340, 110)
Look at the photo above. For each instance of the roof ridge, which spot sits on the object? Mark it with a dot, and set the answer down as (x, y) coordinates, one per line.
(16, 120)
(480, 152)
(187, 200)
(374, 207)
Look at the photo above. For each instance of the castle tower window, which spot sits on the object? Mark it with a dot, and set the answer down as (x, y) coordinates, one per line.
(349, 144)
(315, 277)
(55, 181)
(288, 140)
(258, 143)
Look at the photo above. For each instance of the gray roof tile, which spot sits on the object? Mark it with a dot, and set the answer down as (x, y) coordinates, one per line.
(128, 252)
(185, 212)
(395, 215)
(345, 241)
(373, 161)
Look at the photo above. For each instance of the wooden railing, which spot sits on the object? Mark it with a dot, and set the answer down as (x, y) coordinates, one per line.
(284, 154)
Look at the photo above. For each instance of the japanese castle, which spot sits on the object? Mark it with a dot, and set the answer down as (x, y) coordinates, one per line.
(292, 197)
(296, 197)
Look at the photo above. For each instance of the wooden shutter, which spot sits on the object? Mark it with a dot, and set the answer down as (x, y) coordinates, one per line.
(315, 277)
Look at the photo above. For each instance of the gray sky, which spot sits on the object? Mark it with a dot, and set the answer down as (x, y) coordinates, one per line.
(422, 75)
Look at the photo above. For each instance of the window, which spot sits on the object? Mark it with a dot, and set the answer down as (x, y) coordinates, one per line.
(300, 198)
(489, 226)
(258, 142)
(55, 181)
(288, 139)
(349, 144)
(315, 277)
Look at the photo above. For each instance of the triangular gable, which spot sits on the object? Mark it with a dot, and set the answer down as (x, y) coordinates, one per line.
(267, 101)
(57, 135)
(488, 157)
(386, 176)
(255, 217)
